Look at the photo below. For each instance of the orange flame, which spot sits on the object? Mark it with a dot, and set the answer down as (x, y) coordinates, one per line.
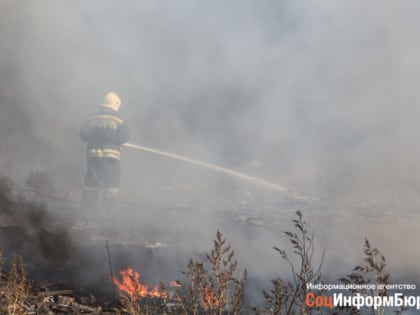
(174, 284)
(209, 299)
(130, 283)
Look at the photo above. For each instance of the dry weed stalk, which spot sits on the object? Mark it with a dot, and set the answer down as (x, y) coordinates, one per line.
(14, 288)
(214, 287)
(288, 297)
(372, 272)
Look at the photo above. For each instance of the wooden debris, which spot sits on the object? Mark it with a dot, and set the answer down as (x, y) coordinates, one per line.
(53, 293)
(50, 302)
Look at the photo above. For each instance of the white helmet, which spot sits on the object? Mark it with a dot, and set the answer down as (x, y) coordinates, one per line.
(113, 101)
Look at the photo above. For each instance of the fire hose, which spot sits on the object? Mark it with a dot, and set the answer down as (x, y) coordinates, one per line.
(228, 171)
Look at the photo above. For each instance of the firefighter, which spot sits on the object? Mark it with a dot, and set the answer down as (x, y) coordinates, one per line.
(104, 133)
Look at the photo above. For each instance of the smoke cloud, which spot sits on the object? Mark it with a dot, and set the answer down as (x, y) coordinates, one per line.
(320, 97)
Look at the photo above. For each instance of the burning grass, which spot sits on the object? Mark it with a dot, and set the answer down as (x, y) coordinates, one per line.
(131, 284)
(212, 285)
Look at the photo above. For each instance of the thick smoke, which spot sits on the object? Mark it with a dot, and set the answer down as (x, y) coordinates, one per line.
(30, 230)
(320, 97)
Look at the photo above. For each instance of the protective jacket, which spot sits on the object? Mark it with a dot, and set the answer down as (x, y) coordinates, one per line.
(104, 133)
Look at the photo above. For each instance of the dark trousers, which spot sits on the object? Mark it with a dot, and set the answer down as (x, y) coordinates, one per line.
(101, 184)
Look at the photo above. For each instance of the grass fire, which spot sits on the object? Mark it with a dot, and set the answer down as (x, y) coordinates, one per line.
(130, 283)
(211, 283)
(211, 286)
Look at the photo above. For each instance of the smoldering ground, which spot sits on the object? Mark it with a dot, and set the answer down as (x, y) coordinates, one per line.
(320, 97)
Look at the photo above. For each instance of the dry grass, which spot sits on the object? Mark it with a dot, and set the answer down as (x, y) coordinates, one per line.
(371, 272)
(288, 297)
(214, 286)
(14, 286)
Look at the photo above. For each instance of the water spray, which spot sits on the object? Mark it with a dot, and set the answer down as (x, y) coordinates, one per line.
(228, 171)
